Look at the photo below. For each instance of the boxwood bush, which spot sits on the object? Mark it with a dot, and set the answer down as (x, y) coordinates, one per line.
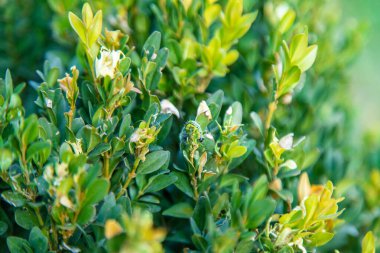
(188, 126)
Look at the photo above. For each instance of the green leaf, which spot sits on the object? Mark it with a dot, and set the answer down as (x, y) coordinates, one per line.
(78, 26)
(87, 14)
(201, 212)
(236, 151)
(160, 182)
(38, 240)
(30, 131)
(86, 214)
(286, 21)
(215, 102)
(289, 80)
(40, 148)
(368, 243)
(153, 162)
(96, 191)
(52, 76)
(95, 29)
(14, 198)
(6, 159)
(18, 245)
(260, 188)
(234, 115)
(8, 85)
(259, 211)
(180, 210)
(183, 183)
(199, 242)
(257, 122)
(153, 41)
(3, 227)
(308, 59)
(320, 238)
(100, 149)
(26, 219)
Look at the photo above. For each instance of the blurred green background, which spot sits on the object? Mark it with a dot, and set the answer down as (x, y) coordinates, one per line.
(365, 72)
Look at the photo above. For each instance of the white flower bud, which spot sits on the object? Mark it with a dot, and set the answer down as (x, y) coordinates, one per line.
(168, 107)
(209, 136)
(286, 142)
(49, 103)
(203, 108)
(135, 137)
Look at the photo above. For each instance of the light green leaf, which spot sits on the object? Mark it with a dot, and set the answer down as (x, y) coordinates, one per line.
(78, 26)
(87, 15)
(6, 159)
(308, 59)
(180, 210)
(95, 29)
(368, 243)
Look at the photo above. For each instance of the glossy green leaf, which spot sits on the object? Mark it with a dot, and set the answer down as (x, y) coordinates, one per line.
(153, 162)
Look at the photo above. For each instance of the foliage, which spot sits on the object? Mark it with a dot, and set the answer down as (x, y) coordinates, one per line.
(165, 136)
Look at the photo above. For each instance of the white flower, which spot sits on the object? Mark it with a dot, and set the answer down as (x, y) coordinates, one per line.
(135, 137)
(106, 65)
(289, 164)
(286, 142)
(49, 103)
(168, 107)
(203, 108)
(209, 136)
(229, 110)
(281, 10)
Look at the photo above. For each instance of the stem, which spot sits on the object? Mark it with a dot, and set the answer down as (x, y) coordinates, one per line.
(106, 165)
(195, 187)
(71, 115)
(38, 214)
(271, 109)
(131, 175)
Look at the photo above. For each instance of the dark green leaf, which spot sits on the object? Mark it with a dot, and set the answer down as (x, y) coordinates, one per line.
(153, 162)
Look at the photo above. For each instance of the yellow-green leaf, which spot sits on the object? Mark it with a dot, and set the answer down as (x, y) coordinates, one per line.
(87, 15)
(78, 26)
(95, 28)
(368, 243)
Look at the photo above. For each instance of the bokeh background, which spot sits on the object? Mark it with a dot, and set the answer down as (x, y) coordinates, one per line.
(26, 37)
(35, 36)
(365, 72)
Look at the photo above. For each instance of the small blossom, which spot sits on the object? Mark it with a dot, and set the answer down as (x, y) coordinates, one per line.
(281, 10)
(107, 64)
(203, 108)
(229, 110)
(168, 107)
(49, 103)
(286, 142)
(290, 164)
(209, 136)
(135, 137)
